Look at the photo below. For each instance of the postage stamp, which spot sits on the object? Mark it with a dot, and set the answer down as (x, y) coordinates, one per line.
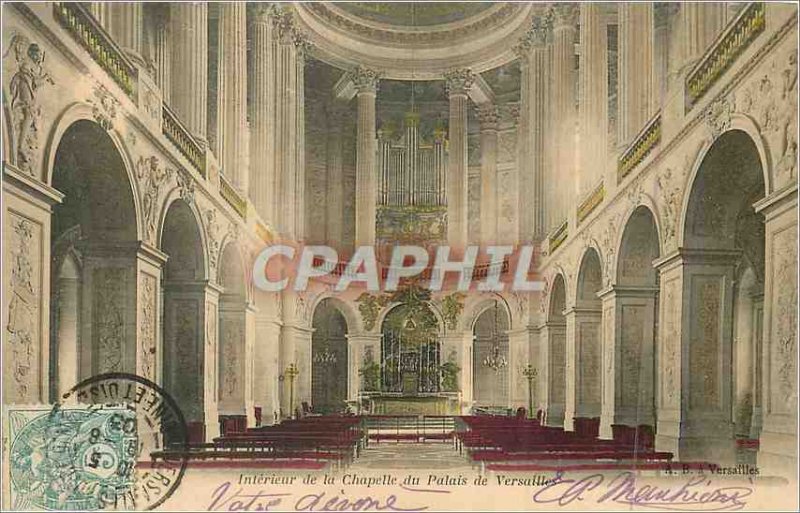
(71, 458)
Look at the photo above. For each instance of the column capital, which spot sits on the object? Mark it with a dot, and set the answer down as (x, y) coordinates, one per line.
(365, 79)
(487, 116)
(263, 12)
(537, 35)
(459, 81)
(564, 15)
(284, 25)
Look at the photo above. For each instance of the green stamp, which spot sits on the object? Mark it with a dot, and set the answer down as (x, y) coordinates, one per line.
(71, 458)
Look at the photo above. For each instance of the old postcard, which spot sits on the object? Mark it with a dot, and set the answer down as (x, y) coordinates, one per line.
(399, 256)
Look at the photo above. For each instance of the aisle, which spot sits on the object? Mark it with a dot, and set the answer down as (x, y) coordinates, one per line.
(416, 456)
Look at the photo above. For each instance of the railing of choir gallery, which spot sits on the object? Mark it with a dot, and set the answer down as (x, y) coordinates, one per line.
(233, 198)
(82, 26)
(174, 130)
(591, 202)
(558, 237)
(728, 46)
(641, 146)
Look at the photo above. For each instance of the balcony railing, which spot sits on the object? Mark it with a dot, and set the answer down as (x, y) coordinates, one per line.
(82, 26)
(641, 146)
(558, 237)
(730, 44)
(233, 198)
(264, 233)
(183, 140)
(591, 202)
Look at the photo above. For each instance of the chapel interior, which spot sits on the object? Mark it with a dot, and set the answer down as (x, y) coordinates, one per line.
(647, 151)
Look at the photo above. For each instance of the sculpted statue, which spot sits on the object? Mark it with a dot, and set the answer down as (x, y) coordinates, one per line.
(29, 76)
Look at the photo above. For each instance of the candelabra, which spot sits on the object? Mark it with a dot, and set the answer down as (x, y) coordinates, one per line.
(291, 372)
(530, 372)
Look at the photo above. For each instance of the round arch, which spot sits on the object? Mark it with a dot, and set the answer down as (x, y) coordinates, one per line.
(344, 308)
(82, 112)
(173, 198)
(639, 245)
(329, 358)
(557, 299)
(483, 304)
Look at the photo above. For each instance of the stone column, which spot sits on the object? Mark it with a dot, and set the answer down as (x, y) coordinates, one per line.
(702, 22)
(553, 372)
(635, 89)
(582, 365)
(487, 115)
(302, 48)
(232, 129)
(627, 358)
(262, 76)
(563, 98)
(693, 398)
(779, 386)
(335, 178)
(594, 96)
(189, 78)
(458, 85)
(533, 163)
(366, 82)
(126, 27)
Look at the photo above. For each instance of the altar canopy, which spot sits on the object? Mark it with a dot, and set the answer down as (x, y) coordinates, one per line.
(410, 347)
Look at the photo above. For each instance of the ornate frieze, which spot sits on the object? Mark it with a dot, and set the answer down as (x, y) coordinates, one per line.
(28, 76)
(459, 81)
(23, 310)
(151, 176)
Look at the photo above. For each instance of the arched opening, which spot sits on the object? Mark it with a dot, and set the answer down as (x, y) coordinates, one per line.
(185, 314)
(722, 268)
(410, 350)
(629, 317)
(584, 358)
(232, 355)
(93, 267)
(555, 344)
(328, 359)
(490, 365)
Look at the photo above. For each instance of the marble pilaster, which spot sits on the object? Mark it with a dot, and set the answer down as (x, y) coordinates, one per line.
(594, 97)
(636, 69)
(553, 372)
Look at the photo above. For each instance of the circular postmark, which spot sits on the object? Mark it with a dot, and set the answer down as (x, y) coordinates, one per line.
(93, 450)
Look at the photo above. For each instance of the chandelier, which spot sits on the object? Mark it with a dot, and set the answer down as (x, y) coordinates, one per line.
(495, 360)
(325, 357)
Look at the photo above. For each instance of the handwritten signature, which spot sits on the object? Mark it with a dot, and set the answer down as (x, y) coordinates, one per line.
(695, 494)
(226, 498)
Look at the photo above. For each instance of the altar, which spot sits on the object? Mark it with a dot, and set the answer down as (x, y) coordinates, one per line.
(443, 403)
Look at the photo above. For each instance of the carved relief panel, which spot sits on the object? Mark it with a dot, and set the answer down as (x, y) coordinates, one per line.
(108, 320)
(147, 326)
(23, 338)
(783, 353)
(705, 343)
